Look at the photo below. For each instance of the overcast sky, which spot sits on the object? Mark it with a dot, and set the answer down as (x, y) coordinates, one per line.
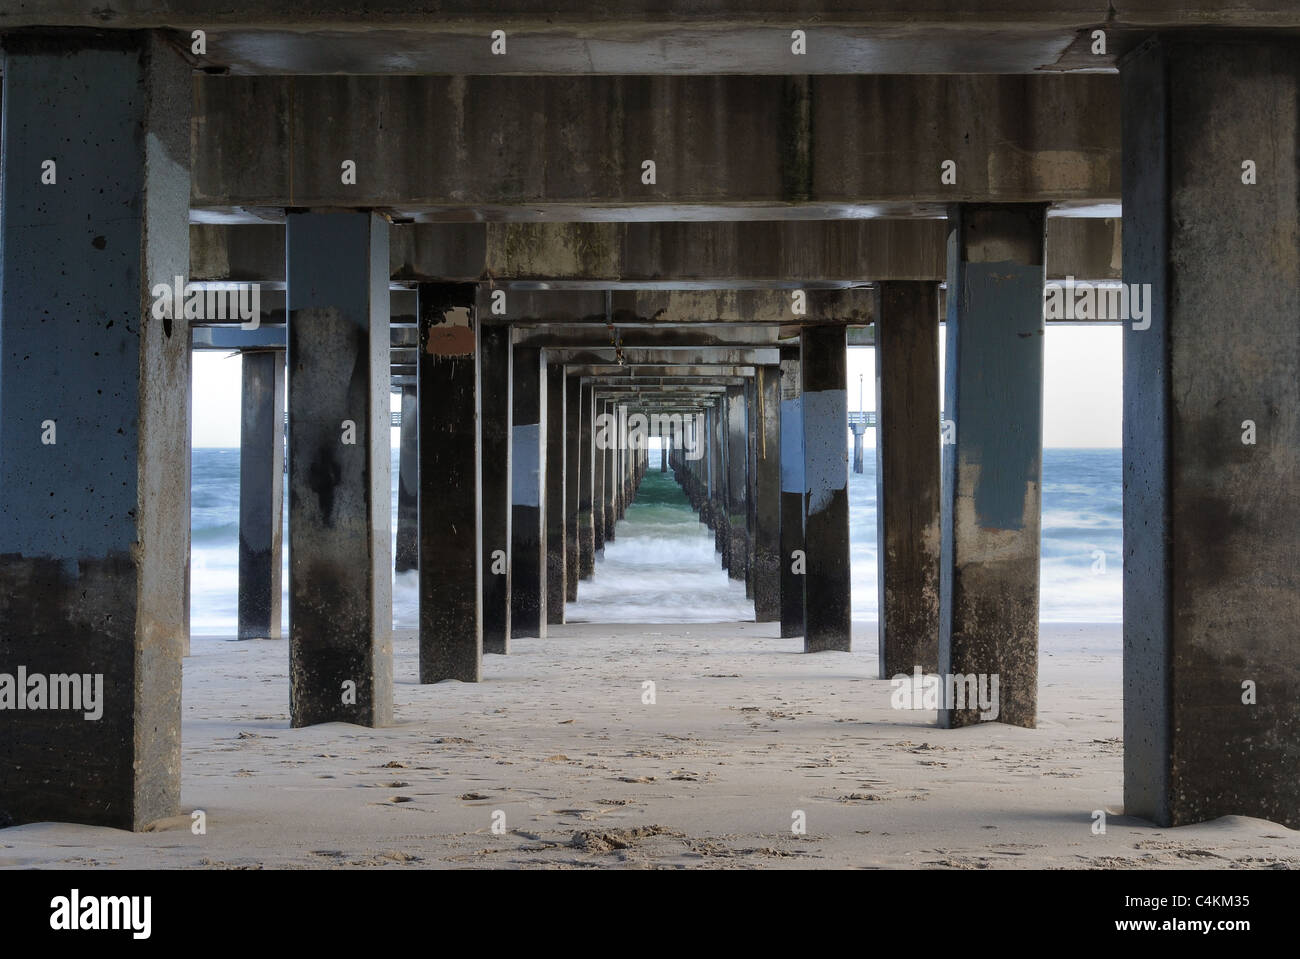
(1081, 403)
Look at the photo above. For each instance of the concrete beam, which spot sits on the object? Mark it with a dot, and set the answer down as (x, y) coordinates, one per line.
(650, 37)
(645, 274)
(721, 145)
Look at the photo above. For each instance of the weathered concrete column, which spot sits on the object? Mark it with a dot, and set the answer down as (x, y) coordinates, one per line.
(793, 557)
(721, 528)
(737, 484)
(408, 484)
(907, 476)
(572, 484)
(708, 480)
(767, 496)
(94, 437)
(586, 486)
(665, 442)
(340, 562)
(528, 496)
(1211, 430)
(496, 395)
(599, 475)
(557, 547)
(827, 586)
(858, 429)
(261, 493)
(620, 463)
(450, 524)
(988, 586)
(611, 469)
(751, 482)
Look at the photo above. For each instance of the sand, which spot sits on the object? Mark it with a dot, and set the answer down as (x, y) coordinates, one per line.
(554, 760)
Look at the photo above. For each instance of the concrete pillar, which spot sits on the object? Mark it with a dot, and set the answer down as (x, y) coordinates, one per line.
(496, 378)
(988, 592)
(340, 563)
(408, 484)
(611, 469)
(721, 528)
(858, 429)
(793, 557)
(557, 547)
(751, 482)
(620, 462)
(767, 496)
(572, 484)
(528, 496)
(450, 528)
(586, 487)
(737, 484)
(261, 493)
(907, 476)
(599, 475)
(827, 606)
(664, 443)
(94, 438)
(707, 480)
(1211, 459)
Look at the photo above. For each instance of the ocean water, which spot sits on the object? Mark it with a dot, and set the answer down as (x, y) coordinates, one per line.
(662, 566)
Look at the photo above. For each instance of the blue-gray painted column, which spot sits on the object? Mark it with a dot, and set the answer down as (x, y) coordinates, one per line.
(767, 496)
(408, 484)
(750, 406)
(827, 594)
(737, 484)
(340, 562)
(1212, 430)
(261, 493)
(496, 396)
(94, 430)
(611, 469)
(907, 477)
(450, 516)
(528, 495)
(599, 472)
(721, 526)
(554, 481)
(793, 559)
(988, 579)
(573, 450)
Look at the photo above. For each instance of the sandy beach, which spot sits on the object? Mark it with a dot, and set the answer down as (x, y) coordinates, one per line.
(558, 760)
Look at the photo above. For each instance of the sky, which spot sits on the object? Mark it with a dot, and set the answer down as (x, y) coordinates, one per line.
(1081, 389)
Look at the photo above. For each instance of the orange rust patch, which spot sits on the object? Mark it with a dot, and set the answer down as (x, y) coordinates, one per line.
(450, 341)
